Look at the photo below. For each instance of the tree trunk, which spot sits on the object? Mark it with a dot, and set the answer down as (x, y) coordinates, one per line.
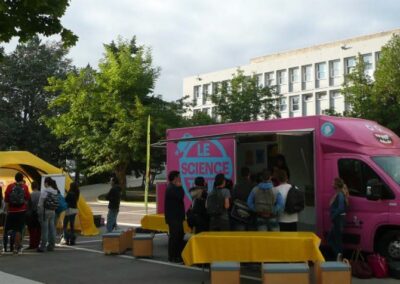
(120, 172)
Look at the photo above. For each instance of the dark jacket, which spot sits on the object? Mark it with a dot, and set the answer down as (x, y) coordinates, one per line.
(72, 199)
(242, 190)
(114, 197)
(174, 206)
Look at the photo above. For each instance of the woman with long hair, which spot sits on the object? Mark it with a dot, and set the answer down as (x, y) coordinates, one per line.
(70, 214)
(48, 202)
(338, 206)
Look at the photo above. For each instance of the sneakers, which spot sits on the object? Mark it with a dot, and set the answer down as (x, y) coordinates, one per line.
(39, 250)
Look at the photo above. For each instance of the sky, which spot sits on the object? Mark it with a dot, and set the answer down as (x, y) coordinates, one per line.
(199, 36)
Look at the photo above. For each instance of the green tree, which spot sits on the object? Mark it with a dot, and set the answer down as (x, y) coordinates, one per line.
(102, 114)
(377, 99)
(23, 98)
(24, 19)
(244, 99)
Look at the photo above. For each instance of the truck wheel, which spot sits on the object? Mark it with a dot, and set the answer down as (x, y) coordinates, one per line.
(389, 245)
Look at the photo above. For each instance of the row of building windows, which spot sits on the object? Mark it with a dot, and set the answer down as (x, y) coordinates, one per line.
(322, 71)
(320, 101)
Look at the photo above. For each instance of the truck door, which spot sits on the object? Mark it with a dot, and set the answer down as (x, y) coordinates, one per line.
(363, 215)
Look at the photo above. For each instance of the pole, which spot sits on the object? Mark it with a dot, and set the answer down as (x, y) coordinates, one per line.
(146, 189)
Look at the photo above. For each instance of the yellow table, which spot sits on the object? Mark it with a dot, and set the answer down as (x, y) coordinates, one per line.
(208, 247)
(156, 222)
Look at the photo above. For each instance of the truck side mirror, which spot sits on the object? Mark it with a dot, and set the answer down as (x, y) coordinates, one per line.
(374, 192)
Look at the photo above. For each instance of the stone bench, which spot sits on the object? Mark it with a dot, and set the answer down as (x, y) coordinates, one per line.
(283, 273)
(225, 272)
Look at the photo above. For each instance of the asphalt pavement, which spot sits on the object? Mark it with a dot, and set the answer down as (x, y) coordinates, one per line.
(86, 263)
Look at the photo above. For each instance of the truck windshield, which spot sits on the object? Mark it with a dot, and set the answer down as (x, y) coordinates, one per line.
(391, 166)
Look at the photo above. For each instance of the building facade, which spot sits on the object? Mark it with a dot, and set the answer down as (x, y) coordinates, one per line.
(309, 79)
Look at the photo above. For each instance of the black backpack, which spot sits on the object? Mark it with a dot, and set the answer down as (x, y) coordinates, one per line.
(215, 203)
(17, 196)
(51, 201)
(295, 200)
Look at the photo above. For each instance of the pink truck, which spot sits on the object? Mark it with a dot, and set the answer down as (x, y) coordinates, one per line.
(317, 149)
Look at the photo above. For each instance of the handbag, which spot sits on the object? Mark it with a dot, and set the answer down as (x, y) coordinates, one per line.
(378, 265)
(360, 268)
(240, 211)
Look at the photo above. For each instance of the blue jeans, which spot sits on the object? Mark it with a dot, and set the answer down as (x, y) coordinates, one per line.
(48, 229)
(264, 224)
(335, 235)
(69, 236)
(112, 219)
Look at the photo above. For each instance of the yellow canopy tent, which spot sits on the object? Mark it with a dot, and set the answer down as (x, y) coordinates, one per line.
(33, 167)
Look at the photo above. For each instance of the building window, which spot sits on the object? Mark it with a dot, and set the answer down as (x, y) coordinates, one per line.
(282, 104)
(321, 71)
(321, 96)
(215, 88)
(259, 80)
(196, 92)
(377, 57)
(350, 64)
(334, 68)
(335, 94)
(294, 75)
(281, 77)
(269, 79)
(367, 59)
(294, 103)
(307, 73)
(307, 98)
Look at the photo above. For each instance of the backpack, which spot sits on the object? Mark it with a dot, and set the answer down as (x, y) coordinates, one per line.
(62, 204)
(264, 201)
(51, 202)
(215, 203)
(17, 196)
(295, 200)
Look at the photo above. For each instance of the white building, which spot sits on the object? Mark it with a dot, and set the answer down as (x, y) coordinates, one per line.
(309, 79)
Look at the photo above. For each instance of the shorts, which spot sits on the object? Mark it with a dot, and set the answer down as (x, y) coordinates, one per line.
(15, 221)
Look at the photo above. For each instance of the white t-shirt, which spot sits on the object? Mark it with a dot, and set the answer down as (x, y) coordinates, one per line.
(283, 189)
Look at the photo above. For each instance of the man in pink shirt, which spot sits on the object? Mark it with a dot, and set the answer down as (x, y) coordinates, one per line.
(16, 198)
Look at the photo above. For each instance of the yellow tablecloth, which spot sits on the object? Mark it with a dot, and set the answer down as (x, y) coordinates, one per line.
(156, 222)
(207, 247)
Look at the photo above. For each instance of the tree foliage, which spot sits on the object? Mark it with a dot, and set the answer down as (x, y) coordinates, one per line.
(103, 114)
(24, 19)
(377, 99)
(244, 99)
(23, 98)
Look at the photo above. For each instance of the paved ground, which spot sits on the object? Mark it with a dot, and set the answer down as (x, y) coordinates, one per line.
(85, 262)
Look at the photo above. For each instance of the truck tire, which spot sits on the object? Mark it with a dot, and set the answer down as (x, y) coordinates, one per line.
(389, 245)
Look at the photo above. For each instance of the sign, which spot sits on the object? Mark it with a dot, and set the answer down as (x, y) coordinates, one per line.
(205, 158)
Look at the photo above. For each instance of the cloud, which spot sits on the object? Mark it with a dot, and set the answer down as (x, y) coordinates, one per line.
(198, 36)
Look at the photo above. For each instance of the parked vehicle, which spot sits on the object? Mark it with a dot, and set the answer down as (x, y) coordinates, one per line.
(317, 149)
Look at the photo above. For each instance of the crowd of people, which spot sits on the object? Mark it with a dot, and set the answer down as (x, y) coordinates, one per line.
(252, 204)
(39, 211)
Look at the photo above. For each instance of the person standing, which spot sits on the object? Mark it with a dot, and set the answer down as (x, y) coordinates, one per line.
(174, 216)
(48, 203)
(33, 217)
(337, 209)
(70, 214)
(265, 202)
(114, 200)
(198, 208)
(287, 222)
(16, 198)
(241, 192)
(218, 205)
